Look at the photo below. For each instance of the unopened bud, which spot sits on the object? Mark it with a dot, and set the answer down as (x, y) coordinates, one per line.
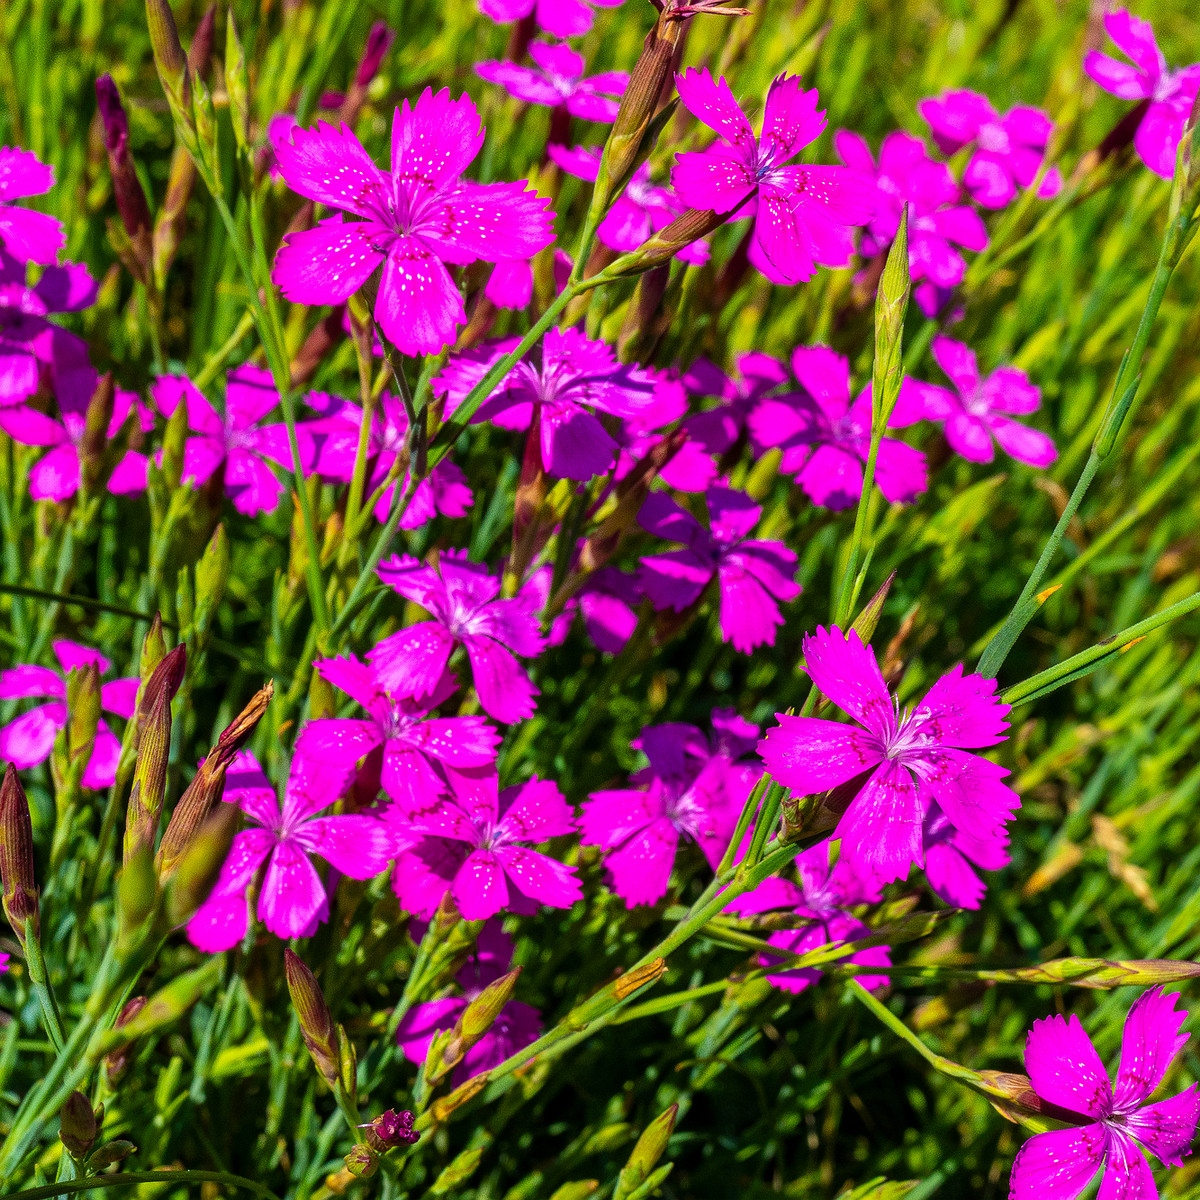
(75, 741)
(127, 188)
(362, 1162)
(662, 246)
(16, 856)
(168, 233)
(116, 1063)
(165, 677)
(347, 1063)
(137, 895)
(212, 576)
(316, 1023)
(379, 42)
(645, 1155)
(458, 1171)
(577, 1189)
(391, 1129)
(194, 874)
(477, 1018)
(154, 648)
(77, 1128)
(169, 58)
(204, 114)
(149, 775)
(109, 1155)
(237, 85)
(891, 305)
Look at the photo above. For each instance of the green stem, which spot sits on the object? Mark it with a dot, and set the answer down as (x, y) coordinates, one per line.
(40, 979)
(132, 1178)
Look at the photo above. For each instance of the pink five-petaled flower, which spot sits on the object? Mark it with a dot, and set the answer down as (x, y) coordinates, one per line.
(800, 208)
(695, 785)
(572, 372)
(826, 438)
(56, 475)
(1066, 1071)
(292, 900)
(236, 441)
(560, 83)
(463, 600)
(641, 209)
(937, 223)
(899, 763)
(27, 235)
(1008, 149)
(978, 410)
(751, 574)
(823, 898)
(1171, 93)
(467, 844)
(563, 18)
(517, 1025)
(29, 739)
(413, 752)
(421, 217)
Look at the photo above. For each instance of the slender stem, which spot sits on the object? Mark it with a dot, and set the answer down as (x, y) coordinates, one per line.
(132, 1178)
(40, 979)
(845, 599)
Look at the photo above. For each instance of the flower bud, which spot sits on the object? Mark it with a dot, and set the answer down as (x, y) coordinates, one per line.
(127, 188)
(891, 305)
(662, 246)
(77, 1128)
(237, 84)
(204, 793)
(168, 233)
(195, 872)
(154, 648)
(316, 1023)
(16, 856)
(391, 1129)
(347, 1063)
(169, 58)
(477, 1018)
(115, 1064)
(458, 1171)
(379, 42)
(109, 1155)
(150, 772)
(649, 1149)
(362, 1162)
(212, 576)
(166, 676)
(137, 896)
(577, 1189)
(74, 743)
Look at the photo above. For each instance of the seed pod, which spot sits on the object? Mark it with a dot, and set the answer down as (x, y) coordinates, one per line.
(316, 1023)
(16, 856)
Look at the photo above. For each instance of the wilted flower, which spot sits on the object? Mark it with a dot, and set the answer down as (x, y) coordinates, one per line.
(413, 223)
(29, 739)
(560, 82)
(1171, 93)
(1066, 1071)
(467, 844)
(800, 208)
(25, 234)
(825, 437)
(292, 900)
(751, 574)
(977, 410)
(898, 764)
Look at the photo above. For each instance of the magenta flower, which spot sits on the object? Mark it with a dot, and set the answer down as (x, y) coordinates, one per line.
(1008, 149)
(563, 18)
(642, 208)
(899, 763)
(515, 1028)
(467, 844)
(826, 438)
(951, 854)
(29, 739)
(510, 285)
(292, 900)
(414, 752)
(691, 468)
(695, 786)
(56, 475)
(824, 898)
(443, 491)
(27, 235)
(237, 441)
(1171, 93)
(751, 575)
(560, 82)
(976, 411)
(425, 216)
(937, 223)
(463, 600)
(572, 372)
(800, 208)
(755, 375)
(1066, 1071)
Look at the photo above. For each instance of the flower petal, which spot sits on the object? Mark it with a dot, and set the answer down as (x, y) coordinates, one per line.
(418, 307)
(329, 165)
(1065, 1068)
(540, 877)
(813, 756)
(1150, 1041)
(1166, 1129)
(881, 829)
(1058, 1165)
(292, 896)
(845, 670)
(480, 887)
(504, 689)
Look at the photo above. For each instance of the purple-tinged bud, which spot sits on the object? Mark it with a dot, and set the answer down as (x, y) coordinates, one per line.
(149, 774)
(200, 52)
(379, 42)
(168, 229)
(77, 1125)
(74, 743)
(169, 58)
(362, 1162)
(16, 856)
(390, 1129)
(316, 1023)
(645, 1155)
(115, 1064)
(662, 246)
(109, 1155)
(165, 676)
(127, 188)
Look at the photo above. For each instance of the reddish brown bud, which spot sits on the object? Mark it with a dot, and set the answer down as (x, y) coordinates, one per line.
(77, 1125)
(316, 1023)
(127, 188)
(16, 856)
(116, 1062)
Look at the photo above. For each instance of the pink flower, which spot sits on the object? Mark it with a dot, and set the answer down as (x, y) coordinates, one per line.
(755, 375)
(510, 285)
(560, 83)
(976, 411)
(899, 763)
(27, 235)
(824, 898)
(1171, 93)
(425, 216)
(640, 210)
(56, 475)
(801, 209)
(443, 491)
(463, 600)
(751, 575)
(691, 468)
(515, 1028)
(937, 223)
(1066, 1071)
(1008, 149)
(950, 854)
(572, 372)
(292, 900)
(29, 739)
(563, 18)
(826, 438)
(4, 961)
(236, 441)
(414, 752)
(695, 786)
(467, 844)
